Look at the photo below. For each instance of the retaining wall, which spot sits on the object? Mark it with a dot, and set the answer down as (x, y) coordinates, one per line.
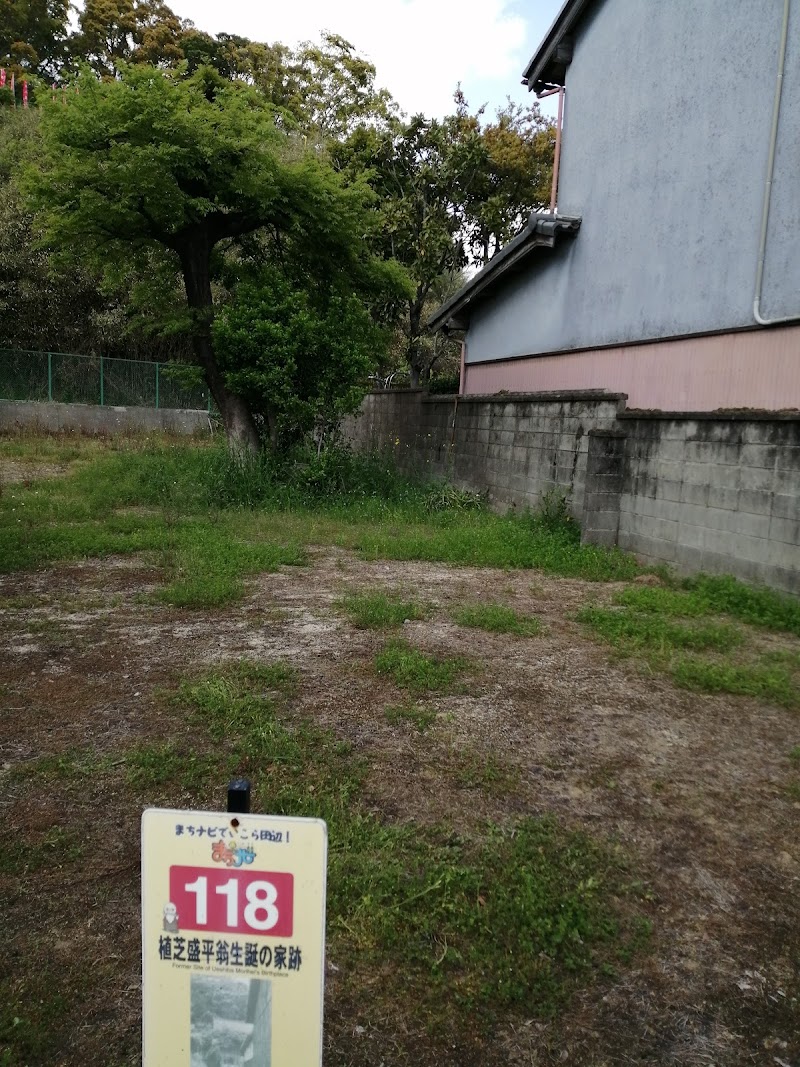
(91, 419)
(718, 492)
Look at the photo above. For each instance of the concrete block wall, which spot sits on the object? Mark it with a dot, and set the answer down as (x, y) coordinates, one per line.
(92, 419)
(513, 448)
(714, 493)
(717, 492)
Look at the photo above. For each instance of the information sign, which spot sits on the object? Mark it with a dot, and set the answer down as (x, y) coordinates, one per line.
(233, 939)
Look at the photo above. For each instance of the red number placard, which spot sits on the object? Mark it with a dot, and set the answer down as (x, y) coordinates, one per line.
(233, 901)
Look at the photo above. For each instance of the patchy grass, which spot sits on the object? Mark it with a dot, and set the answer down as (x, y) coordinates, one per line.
(708, 595)
(518, 915)
(418, 715)
(764, 681)
(212, 522)
(57, 847)
(473, 770)
(666, 644)
(497, 618)
(380, 611)
(631, 632)
(417, 671)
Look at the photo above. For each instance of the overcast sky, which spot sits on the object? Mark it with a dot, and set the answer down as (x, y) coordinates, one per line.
(421, 48)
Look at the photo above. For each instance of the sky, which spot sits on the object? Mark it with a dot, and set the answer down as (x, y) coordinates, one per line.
(421, 48)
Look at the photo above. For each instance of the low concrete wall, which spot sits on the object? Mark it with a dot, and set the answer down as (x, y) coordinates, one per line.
(511, 448)
(718, 492)
(90, 419)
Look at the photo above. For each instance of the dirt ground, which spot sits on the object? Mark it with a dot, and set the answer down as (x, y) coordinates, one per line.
(695, 787)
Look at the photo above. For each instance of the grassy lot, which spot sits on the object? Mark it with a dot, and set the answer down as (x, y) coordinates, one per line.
(561, 803)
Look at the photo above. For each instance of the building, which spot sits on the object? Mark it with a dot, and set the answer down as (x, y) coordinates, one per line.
(669, 269)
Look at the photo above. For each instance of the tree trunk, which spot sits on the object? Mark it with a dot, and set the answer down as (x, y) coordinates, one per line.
(195, 256)
(415, 363)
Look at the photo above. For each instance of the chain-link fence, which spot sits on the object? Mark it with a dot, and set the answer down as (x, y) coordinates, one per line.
(73, 379)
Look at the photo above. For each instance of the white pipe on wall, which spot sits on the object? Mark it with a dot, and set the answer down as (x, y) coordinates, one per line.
(773, 142)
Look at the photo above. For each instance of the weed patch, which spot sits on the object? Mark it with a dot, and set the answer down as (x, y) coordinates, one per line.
(418, 715)
(759, 680)
(707, 595)
(667, 645)
(380, 611)
(417, 671)
(513, 916)
(496, 618)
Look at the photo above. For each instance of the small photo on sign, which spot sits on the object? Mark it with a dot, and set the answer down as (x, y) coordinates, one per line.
(231, 1022)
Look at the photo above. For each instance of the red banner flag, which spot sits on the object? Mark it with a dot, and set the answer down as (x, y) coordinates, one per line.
(13, 90)
(2, 77)
(24, 94)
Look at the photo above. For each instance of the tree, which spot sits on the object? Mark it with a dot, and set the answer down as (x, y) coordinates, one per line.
(156, 164)
(410, 167)
(301, 356)
(33, 36)
(503, 172)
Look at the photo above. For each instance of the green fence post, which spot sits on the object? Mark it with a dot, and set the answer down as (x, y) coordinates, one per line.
(102, 384)
(157, 368)
(50, 376)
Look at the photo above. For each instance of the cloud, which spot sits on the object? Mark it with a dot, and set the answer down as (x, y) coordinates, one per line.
(421, 48)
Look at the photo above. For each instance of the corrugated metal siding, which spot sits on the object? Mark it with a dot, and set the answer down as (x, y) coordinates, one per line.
(751, 369)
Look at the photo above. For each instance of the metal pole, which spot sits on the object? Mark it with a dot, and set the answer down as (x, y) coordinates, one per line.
(239, 796)
(102, 384)
(50, 376)
(157, 366)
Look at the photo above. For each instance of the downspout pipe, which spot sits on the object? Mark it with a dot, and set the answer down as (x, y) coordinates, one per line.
(557, 158)
(773, 143)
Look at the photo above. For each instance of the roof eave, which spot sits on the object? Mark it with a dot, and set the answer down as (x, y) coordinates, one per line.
(542, 231)
(549, 63)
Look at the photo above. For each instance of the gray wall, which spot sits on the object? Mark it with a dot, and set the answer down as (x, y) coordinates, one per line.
(664, 156)
(90, 419)
(714, 492)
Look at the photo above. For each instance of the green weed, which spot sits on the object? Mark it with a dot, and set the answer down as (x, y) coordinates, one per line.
(794, 754)
(380, 611)
(496, 618)
(749, 679)
(56, 848)
(417, 671)
(420, 716)
(631, 632)
(151, 767)
(724, 595)
(513, 916)
(473, 770)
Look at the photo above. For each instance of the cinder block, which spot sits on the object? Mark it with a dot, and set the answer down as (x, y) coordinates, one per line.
(689, 560)
(758, 456)
(605, 538)
(760, 479)
(784, 530)
(668, 490)
(692, 536)
(747, 570)
(785, 506)
(786, 481)
(727, 499)
(694, 494)
(755, 502)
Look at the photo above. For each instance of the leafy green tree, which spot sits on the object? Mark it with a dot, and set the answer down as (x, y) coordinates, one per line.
(410, 167)
(156, 166)
(503, 171)
(33, 35)
(301, 356)
(43, 306)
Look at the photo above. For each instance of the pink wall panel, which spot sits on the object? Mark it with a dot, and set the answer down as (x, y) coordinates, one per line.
(751, 369)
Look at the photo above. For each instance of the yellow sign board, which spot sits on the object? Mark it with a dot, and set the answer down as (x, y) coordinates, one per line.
(233, 939)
